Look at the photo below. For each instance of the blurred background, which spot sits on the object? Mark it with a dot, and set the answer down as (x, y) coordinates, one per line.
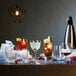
(41, 18)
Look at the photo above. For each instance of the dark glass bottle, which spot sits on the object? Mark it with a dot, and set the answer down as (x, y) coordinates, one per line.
(69, 38)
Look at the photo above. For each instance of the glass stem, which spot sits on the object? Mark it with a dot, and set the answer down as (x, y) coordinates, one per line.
(35, 54)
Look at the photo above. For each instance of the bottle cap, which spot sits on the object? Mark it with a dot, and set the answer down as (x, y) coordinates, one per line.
(69, 21)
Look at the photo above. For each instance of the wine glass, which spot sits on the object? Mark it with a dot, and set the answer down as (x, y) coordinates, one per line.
(35, 46)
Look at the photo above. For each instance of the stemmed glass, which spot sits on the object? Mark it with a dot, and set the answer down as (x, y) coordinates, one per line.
(35, 46)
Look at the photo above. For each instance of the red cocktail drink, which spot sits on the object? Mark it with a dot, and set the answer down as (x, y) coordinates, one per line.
(22, 44)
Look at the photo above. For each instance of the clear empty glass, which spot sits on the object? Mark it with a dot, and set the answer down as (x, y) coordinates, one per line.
(56, 52)
(62, 47)
(10, 55)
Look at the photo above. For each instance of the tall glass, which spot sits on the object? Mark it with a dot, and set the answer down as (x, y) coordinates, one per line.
(22, 44)
(10, 55)
(57, 52)
(48, 47)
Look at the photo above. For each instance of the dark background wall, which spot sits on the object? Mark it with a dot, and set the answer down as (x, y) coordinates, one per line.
(42, 18)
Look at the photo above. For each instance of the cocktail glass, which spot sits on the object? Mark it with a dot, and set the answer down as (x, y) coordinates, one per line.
(22, 44)
(48, 47)
(35, 46)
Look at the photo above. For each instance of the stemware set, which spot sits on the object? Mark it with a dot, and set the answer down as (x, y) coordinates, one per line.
(50, 50)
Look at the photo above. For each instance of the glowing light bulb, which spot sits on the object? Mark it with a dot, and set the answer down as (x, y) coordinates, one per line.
(17, 13)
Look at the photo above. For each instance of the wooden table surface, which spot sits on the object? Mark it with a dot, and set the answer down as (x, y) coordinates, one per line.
(38, 70)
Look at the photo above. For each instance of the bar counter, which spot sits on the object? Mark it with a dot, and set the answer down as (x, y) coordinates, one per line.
(38, 70)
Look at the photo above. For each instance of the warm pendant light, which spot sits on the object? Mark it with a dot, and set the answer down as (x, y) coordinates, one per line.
(16, 13)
